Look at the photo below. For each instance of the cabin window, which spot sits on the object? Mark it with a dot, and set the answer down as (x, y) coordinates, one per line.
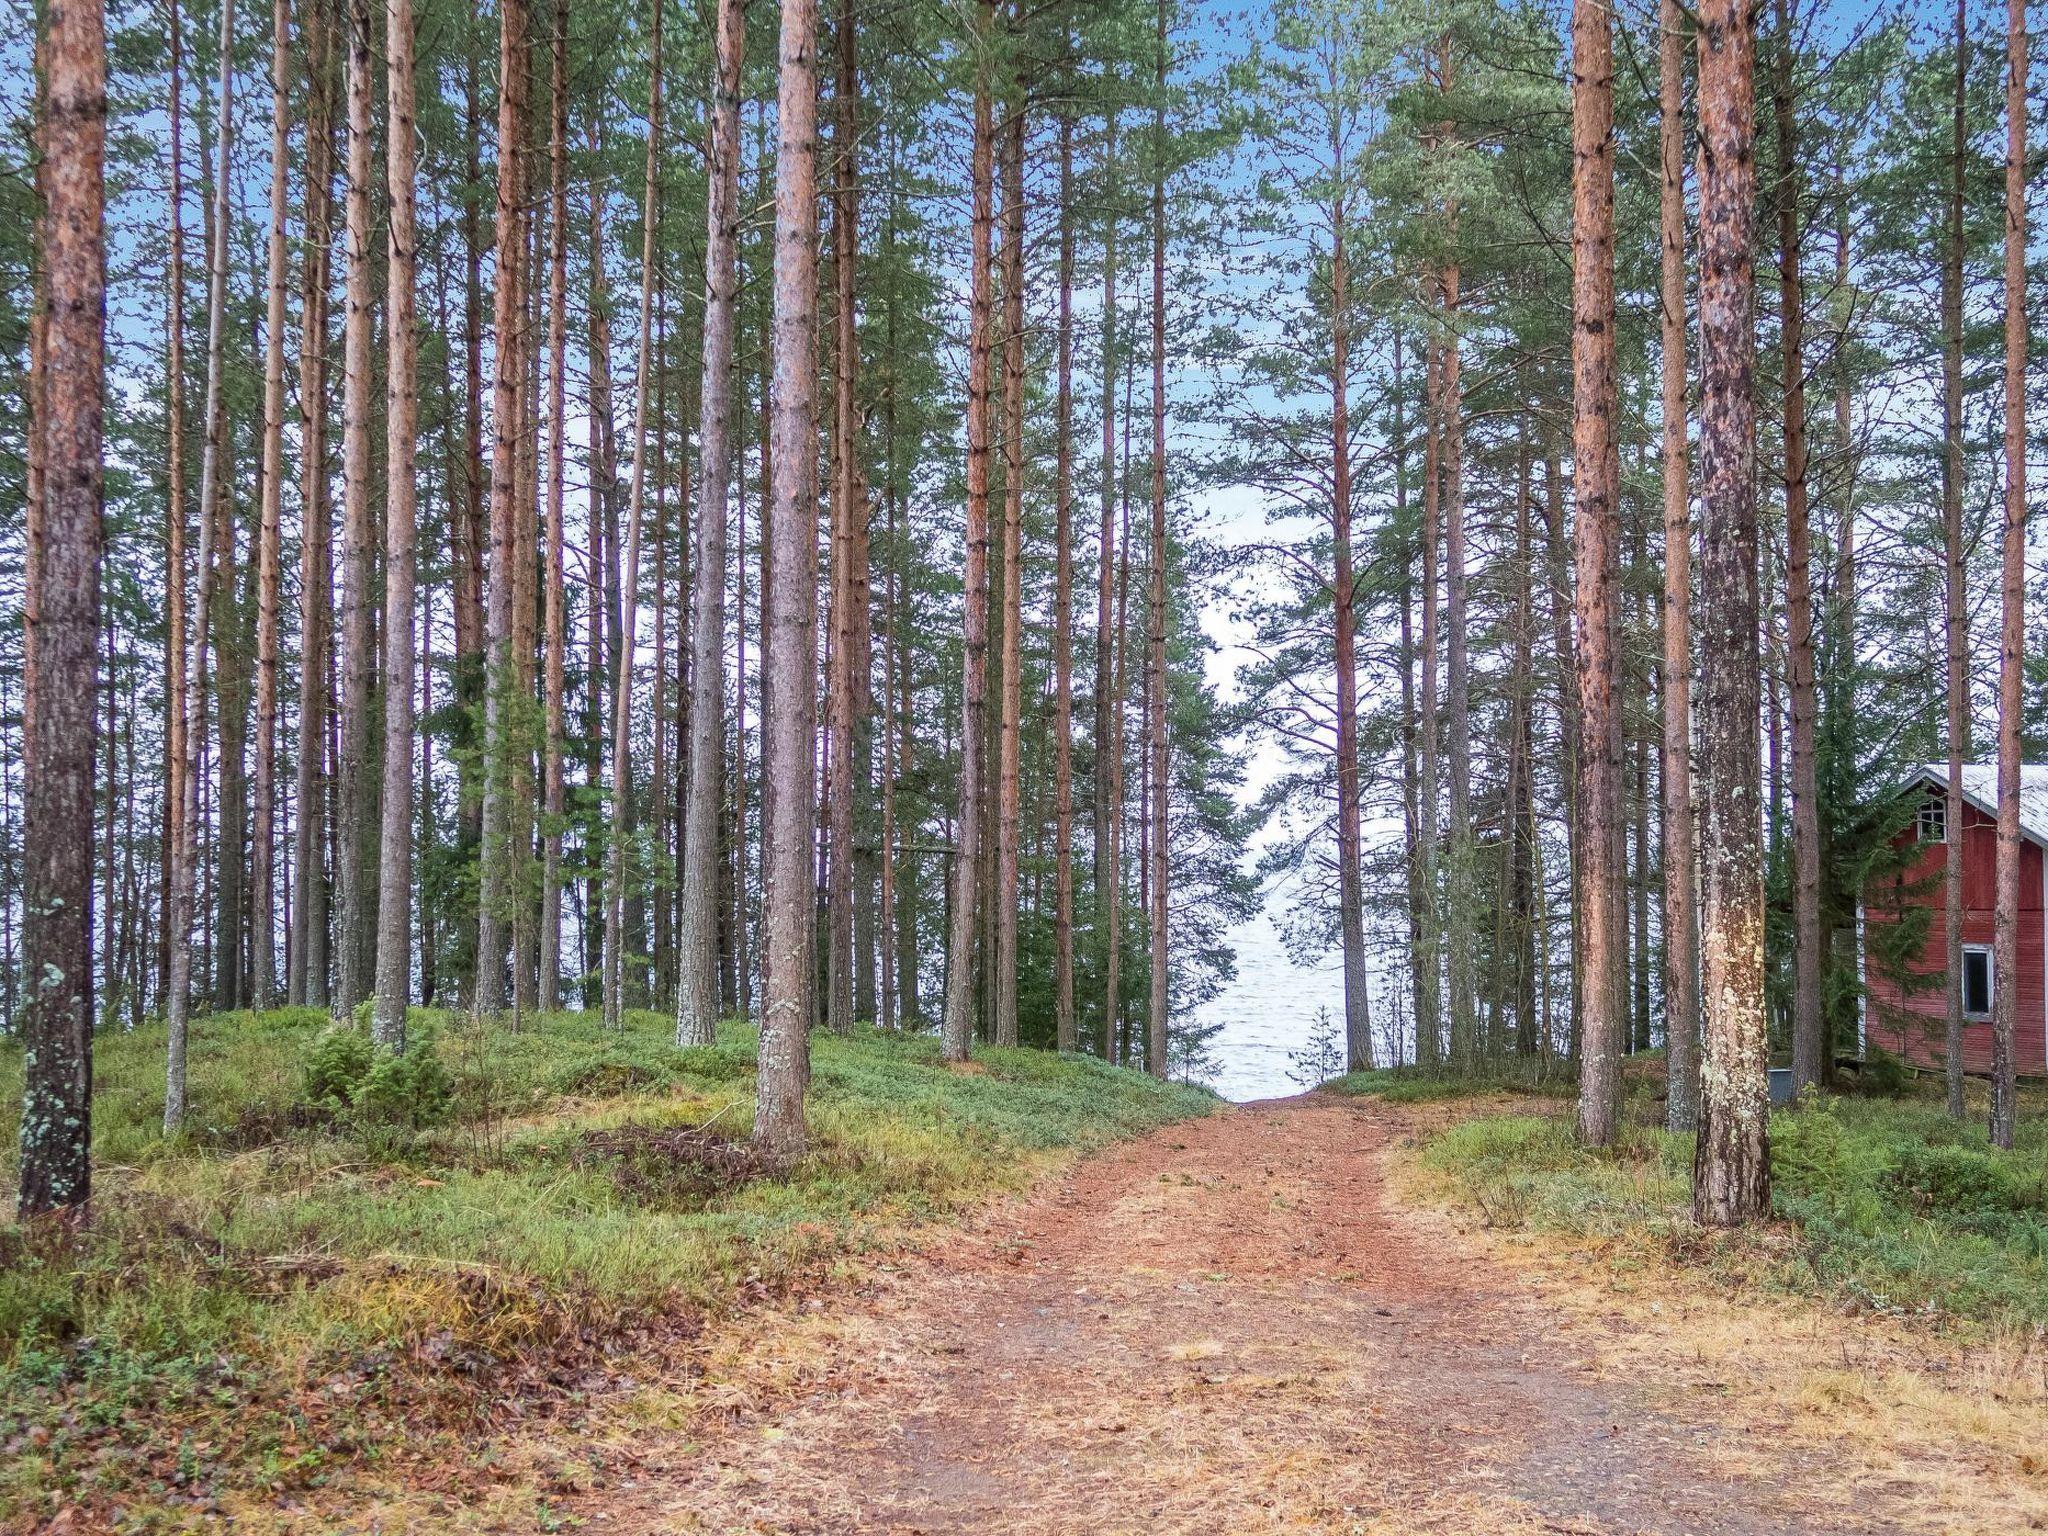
(1934, 820)
(1976, 981)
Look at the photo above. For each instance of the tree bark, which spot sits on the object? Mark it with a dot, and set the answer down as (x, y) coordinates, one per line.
(1681, 898)
(957, 1029)
(1957, 616)
(496, 894)
(1157, 732)
(616, 860)
(1460, 940)
(184, 865)
(1731, 1167)
(1065, 1032)
(848, 511)
(1596, 472)
(1350, 876)
(555, 597)
(357, 820)
(1810, 1054)
(1108, 749)
(263, 882)
(307, 985)
(697, 992)
(791, 728)
(401, 414)
(1010, 722)
(2013, 620)
(174, 489)
(62, 617)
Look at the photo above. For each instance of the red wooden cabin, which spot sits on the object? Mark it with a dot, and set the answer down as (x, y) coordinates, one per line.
(1913, 1024)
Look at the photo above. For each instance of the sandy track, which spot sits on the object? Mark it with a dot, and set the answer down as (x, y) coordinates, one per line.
(1222, 1327)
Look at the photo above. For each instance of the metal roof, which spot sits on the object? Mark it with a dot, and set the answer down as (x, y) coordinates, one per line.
(1980, 788)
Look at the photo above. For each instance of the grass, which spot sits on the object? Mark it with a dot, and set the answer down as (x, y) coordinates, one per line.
(1888, 1205)
(278, 1293)
(1421, 1085)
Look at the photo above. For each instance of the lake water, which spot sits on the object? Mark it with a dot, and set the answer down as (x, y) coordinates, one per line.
(1266, 1013)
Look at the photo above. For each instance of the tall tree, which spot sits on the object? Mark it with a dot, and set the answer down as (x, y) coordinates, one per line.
(957, 1029)
(556, 597)
(1954, 566)
(617, 855)
(357, 822)
(791, 726)
(1157, 744)
(1065, 1032)
(1681, 891)
(401, 416)
(307, 984)
(1010, 693)
(697, 993)
(1108, 747)
(2012, 634)
(849, 510)
(1731, 1166)
(174, 485)
(62, 630)
(1596, 471)
(1809, 1025)
(185, 860)
(263, 845)
(496, 890)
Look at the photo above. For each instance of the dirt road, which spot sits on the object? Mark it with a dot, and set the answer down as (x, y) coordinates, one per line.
(1223, 1327)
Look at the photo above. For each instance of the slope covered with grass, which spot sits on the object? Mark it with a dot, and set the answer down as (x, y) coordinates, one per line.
(309, 1277)
(1887, 1204)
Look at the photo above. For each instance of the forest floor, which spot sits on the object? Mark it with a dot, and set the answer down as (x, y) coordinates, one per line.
(1270, 1320)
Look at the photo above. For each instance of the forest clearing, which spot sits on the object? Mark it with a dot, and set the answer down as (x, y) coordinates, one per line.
(655, 659)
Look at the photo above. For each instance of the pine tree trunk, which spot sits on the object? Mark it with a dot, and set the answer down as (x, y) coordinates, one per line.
(848, 509)
(496, 895)
(1810, 1056)
(555, 598)
(174, 491)
(791, 727)
(62, 616)
(401, 408)
(697, 992)
(1108, 750)
(1010, 725)
(1957, 615)
(307, 986)
(1458, 899)
(957, 1030)
(1156, 731)
(185, 862)
(617, 862)
(2013, 627)
(1350, 876)
(1596, 473)
(1429, 951)
(1681, 891)
(357, 825)
(263, 896)
(1065, 1033)
(1731, 1168)
(1411, 790)
(601, 611)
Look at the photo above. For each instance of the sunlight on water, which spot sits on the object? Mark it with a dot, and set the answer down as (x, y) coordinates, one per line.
(1266, 1013)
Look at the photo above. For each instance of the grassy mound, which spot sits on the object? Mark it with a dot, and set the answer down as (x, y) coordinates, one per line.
(1890, 1205)
(318, 1273)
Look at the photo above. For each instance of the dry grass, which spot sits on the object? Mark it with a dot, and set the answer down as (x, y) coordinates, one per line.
(1954, 1429)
